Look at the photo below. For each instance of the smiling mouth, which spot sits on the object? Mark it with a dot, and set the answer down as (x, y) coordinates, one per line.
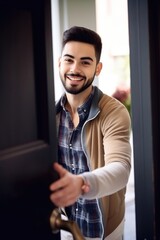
(72, 77)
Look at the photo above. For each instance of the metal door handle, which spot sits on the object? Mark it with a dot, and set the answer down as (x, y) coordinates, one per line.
(57, 223)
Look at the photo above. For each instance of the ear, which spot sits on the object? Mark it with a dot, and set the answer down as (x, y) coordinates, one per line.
(98, 68)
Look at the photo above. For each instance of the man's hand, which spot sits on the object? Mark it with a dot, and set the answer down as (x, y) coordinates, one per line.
(67, 189)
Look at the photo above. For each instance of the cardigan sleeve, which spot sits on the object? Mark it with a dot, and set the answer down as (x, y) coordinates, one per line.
(111, 157)
(106, 180)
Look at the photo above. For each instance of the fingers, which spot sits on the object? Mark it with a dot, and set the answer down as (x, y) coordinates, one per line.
(63, 184)
(59, 184)
(67, 189)
(85, 189)
(58, 168)
(63, 194)
(63, 198)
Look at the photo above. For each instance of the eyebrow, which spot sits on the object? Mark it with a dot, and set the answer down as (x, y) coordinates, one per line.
(82, 58)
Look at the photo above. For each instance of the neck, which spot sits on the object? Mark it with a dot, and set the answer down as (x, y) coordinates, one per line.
(76, 100)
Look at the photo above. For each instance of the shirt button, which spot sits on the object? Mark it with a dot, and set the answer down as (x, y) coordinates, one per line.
(72, 166)
(70, 145)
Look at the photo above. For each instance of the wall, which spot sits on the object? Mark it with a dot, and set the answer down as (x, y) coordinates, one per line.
(75, 12)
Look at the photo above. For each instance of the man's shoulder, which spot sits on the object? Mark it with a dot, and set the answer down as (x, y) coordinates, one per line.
(107, 100)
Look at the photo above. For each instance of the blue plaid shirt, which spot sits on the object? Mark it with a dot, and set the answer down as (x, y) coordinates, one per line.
(71, 156)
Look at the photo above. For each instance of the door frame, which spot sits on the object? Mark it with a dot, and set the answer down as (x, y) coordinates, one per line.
(144, 31)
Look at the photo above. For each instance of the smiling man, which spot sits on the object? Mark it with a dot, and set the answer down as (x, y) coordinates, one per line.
(78, 66)
(93, 142)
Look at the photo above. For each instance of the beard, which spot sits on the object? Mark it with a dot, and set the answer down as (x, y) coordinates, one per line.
(73, 89)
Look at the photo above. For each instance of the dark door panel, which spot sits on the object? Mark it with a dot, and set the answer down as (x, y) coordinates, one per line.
(27, 120)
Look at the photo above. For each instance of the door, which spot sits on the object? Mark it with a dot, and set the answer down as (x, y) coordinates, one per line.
(27, 120)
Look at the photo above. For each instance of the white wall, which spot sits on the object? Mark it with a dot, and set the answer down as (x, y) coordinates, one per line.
(56, 35)
(78, 12)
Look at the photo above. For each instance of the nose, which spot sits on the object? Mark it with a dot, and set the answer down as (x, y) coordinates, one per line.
(75, 68)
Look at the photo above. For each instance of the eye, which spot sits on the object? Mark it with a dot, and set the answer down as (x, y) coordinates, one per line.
(68, 60)
(86, 63)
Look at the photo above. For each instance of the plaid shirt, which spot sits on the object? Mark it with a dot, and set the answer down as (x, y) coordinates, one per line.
(71, 156)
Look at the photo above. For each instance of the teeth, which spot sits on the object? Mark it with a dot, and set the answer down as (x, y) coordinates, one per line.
(75, 79)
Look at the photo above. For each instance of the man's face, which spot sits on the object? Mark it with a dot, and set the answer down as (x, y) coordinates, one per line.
(78, 67)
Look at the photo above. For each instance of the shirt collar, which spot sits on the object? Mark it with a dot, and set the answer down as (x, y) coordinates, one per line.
(84, 107)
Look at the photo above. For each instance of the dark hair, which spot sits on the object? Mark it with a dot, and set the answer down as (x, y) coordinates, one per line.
(85, 35)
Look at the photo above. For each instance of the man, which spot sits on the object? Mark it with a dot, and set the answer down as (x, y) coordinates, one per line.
(93, 142)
